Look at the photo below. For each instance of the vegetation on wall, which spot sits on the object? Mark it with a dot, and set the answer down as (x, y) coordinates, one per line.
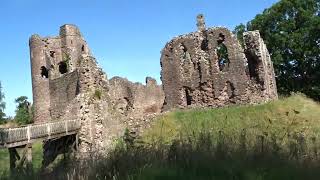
(290, 29)
(97, 94)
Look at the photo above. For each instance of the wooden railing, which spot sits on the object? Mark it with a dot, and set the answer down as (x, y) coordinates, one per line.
(27, 134)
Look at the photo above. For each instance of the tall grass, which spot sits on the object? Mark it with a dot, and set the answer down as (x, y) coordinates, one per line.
(36, 159)
(277, 140)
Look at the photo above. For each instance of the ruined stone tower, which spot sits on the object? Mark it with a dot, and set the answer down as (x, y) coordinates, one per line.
(53, 62)
(210, 68)
(68, 84)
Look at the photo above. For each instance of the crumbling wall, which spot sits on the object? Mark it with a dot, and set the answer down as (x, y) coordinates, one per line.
(260, 65)
(69, 84)
(62, 91)
(210, 68)
(54, 58)
(136, 99)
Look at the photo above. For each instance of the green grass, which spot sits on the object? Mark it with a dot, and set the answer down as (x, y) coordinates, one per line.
(36, 158)
(281, 119)
(274, 141)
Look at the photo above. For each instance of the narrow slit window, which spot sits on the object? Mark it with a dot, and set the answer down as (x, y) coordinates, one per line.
(188, 96)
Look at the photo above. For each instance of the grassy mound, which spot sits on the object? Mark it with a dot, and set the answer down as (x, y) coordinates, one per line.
(295, 118)
(276, 140)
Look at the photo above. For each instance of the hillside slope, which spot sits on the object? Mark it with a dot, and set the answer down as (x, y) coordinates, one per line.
(295, 115)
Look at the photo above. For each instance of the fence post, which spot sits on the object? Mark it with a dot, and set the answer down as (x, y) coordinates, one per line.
(28, 133)
(49, 131)
(9, 136)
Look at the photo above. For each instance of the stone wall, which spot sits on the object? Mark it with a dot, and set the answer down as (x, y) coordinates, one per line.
(210, 68)
(260, 64)
(53, 58)
(62, 91)
(135, 99)
(69, 84)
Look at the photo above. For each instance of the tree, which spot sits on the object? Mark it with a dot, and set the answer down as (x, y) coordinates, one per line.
(290, 29)
(23, 114)
(2, 105)
(22, 102)
(239, 30)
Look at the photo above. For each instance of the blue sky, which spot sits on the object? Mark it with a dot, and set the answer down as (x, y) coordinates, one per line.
(126, 36)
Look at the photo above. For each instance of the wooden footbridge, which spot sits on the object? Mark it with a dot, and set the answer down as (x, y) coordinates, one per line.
(23, 137)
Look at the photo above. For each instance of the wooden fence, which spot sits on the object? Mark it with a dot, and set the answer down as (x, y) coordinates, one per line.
(24, 135)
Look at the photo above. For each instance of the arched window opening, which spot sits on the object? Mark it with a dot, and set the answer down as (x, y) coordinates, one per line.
(63, 67)
(222, 52)
(82, 48)
(44, 72)
(52, 54)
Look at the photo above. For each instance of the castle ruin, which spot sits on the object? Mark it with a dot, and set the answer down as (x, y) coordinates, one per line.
(68, 85)
(209, 68)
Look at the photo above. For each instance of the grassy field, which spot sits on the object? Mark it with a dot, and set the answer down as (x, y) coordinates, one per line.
(36, 158)
(276, 140)
(293, 117)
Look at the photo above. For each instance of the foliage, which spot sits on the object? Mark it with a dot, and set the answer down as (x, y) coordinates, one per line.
(239, 30)
(23, 114)
(2, 106)
(222, 53)
(22, 102)
(290, 29)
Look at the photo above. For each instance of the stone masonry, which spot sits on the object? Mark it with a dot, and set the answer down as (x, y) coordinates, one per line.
(207, 68)
(68, 84)
(210, 68)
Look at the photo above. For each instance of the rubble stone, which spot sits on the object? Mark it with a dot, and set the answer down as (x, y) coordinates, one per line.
(210, 68)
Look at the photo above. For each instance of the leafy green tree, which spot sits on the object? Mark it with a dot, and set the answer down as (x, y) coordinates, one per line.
(23, 114)
(239, 30)
(291, 29)
(22, 102)
(2, 106)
